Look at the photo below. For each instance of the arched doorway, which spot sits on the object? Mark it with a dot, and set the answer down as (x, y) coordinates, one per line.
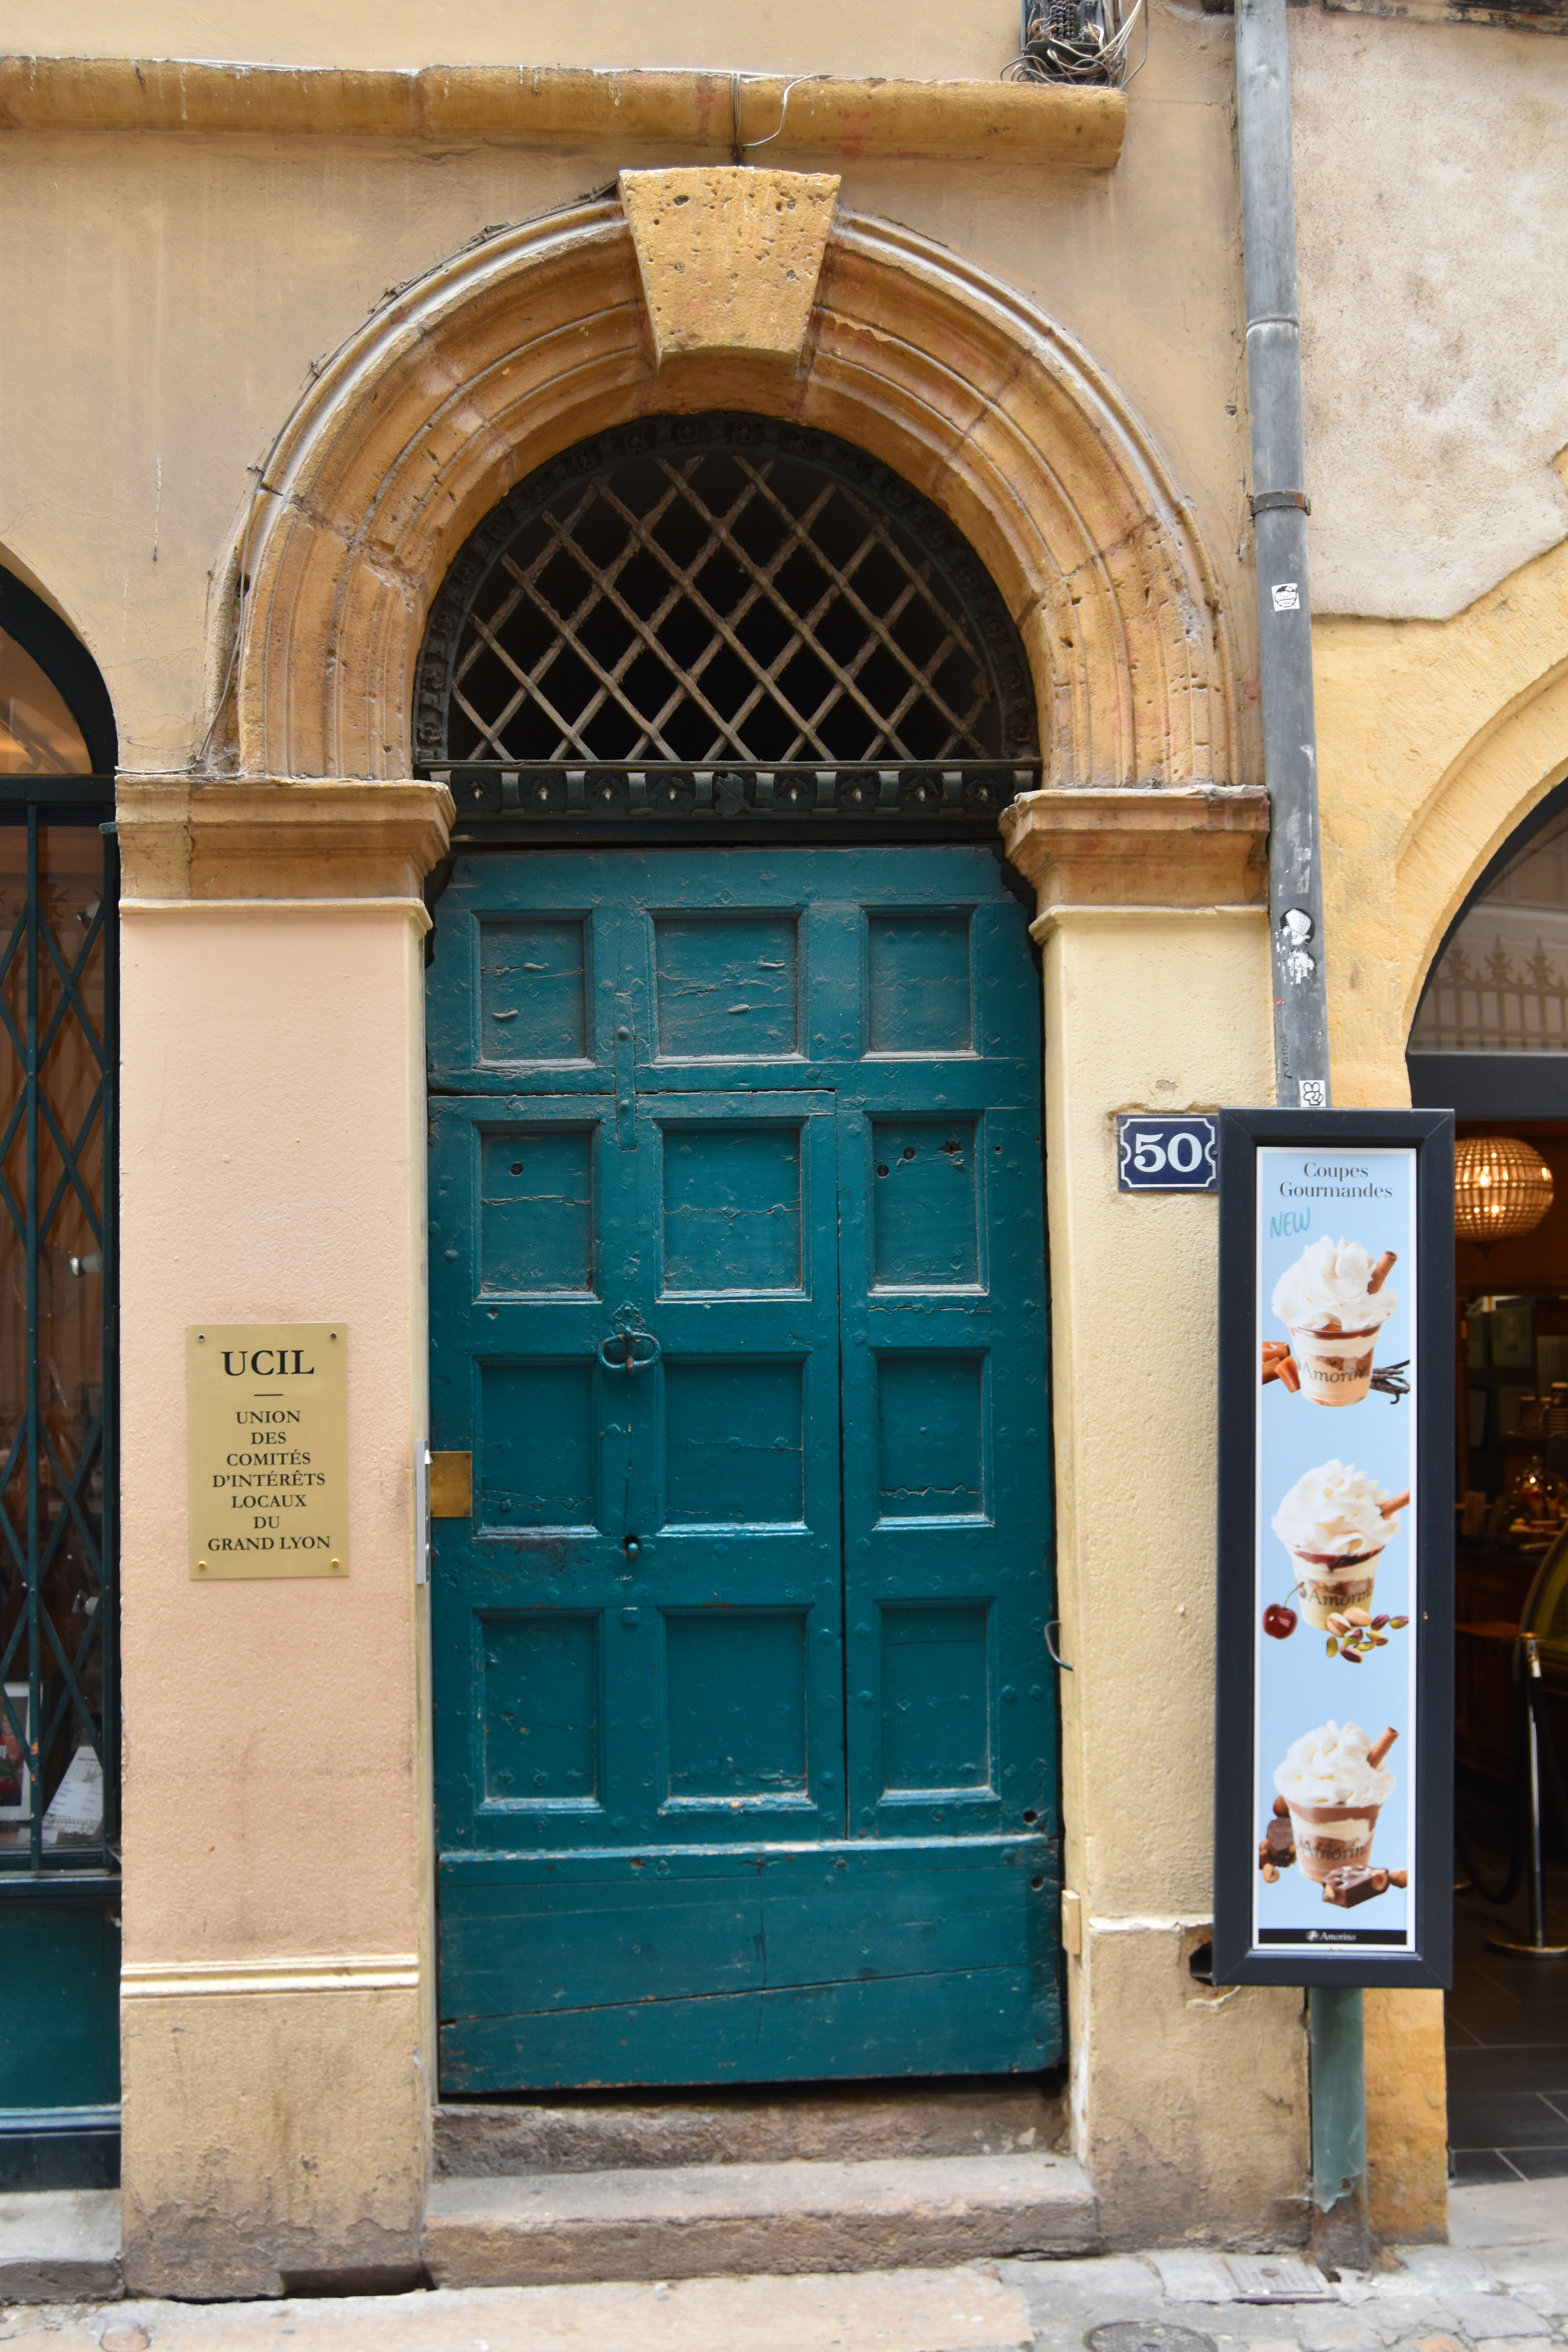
(1491, 1038)
(746, 1760)
(58, 1716)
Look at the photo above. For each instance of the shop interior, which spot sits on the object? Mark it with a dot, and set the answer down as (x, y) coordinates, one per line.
(1508, 2012)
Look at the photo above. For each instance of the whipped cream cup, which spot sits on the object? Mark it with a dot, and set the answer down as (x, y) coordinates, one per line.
(1326, 1587)
(1334, 1303)
(1335, 1793)
(1333, 1837)
(1335, 1367)
(1335, 1523)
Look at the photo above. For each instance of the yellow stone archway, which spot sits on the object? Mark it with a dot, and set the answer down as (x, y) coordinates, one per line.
(532, 340)
(1435, 738)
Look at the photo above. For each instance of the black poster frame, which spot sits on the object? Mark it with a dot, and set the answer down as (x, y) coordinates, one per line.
(1237, 1960)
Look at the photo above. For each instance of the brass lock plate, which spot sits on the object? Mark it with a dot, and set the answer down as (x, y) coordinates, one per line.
(451, 1485)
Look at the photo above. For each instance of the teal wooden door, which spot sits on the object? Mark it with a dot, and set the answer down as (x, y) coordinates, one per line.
(745, 1736)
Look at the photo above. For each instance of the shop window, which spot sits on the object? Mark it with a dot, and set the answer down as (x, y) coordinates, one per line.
(38, 733)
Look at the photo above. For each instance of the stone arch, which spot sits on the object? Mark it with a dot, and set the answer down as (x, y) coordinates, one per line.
(1504, 771)
(527, 342)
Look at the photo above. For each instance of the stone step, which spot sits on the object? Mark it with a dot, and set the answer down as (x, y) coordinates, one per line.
(703, 2220)
(854, 2124)
(59, 2245)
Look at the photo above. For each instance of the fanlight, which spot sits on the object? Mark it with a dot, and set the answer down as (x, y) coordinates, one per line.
(1501, 1187)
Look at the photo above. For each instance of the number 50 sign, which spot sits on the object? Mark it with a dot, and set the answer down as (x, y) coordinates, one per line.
(1165, 1155)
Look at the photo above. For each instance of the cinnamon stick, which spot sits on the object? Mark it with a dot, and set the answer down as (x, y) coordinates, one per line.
(1381, 1272)
(1380, 1747)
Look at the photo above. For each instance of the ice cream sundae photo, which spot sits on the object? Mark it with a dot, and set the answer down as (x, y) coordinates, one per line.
(1335, 1523)
(1335, 1783)
(1334, 1302)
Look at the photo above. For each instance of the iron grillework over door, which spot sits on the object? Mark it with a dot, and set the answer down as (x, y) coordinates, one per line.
(746, 1737)
(59, 1730)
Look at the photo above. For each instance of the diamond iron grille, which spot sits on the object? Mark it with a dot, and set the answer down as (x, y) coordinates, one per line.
(723, 589)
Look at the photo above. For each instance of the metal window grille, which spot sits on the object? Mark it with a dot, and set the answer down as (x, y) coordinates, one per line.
(58, 1054)
(1510, 997)
(731, 597)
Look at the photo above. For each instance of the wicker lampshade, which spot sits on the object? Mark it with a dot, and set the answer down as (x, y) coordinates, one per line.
(1501, 1187)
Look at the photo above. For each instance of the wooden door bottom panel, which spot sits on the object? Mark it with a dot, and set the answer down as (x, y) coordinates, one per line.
(985, 2020)
(768, 1965)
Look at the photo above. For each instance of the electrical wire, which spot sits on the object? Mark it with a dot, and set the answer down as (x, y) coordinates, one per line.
(746, 146)
(1071, 41)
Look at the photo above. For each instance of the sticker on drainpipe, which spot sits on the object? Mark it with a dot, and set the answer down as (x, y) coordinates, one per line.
(1287, 595)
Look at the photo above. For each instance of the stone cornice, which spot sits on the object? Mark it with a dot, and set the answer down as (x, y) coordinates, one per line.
(183, 840)
(828, 114)
(1206, 846)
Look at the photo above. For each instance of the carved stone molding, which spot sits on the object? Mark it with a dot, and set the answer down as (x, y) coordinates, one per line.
(184, 841)
(681, 108)
(521, 346)
(1141, 849)
(728, 257)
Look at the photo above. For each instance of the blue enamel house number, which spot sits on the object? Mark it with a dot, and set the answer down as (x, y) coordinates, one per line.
(1165, 1155)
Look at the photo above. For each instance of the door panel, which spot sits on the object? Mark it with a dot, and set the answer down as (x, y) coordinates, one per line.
(745, 1750)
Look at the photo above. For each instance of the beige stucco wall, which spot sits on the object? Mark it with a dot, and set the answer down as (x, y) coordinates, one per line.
(204, 279)
(275, 2042)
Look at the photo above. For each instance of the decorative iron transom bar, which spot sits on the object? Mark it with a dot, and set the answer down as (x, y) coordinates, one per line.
(717, 591)
(966, 798)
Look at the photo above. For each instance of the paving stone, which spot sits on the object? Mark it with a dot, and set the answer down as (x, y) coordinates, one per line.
(1191, 2275)
(1539, 2276)
(1492, 2315)
(1510, 2213)
(1434, 2270)
(905, 2311)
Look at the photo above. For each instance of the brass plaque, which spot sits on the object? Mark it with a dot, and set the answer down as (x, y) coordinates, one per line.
(451, 1485)
(268, 1415)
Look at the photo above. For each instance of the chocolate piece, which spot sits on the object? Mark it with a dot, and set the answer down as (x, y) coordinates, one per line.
(1280, 1840)
(1355, 1882)
(1282, 1810)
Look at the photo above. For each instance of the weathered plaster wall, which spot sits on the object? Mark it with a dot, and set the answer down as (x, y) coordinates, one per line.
(1433, 274)
(200, 281)
(791, 36)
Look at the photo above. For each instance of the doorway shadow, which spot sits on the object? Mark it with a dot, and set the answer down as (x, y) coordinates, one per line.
(1506, 2019)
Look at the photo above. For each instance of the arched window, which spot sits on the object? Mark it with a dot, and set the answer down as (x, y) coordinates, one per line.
(1490, 1033)
(694, 617)
(56, 718)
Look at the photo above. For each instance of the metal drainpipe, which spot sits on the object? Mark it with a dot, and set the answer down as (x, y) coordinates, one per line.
(1341, 2234)
(1279, 508)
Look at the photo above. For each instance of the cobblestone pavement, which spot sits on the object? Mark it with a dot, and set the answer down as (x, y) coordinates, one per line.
(1500, 2286)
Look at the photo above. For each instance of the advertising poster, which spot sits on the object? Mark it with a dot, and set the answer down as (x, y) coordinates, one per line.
(1328, 1463)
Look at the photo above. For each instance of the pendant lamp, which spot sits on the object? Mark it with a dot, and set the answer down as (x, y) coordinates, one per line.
(1501, 1188)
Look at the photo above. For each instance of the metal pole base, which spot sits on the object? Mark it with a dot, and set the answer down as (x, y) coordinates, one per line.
(1527, 1951)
